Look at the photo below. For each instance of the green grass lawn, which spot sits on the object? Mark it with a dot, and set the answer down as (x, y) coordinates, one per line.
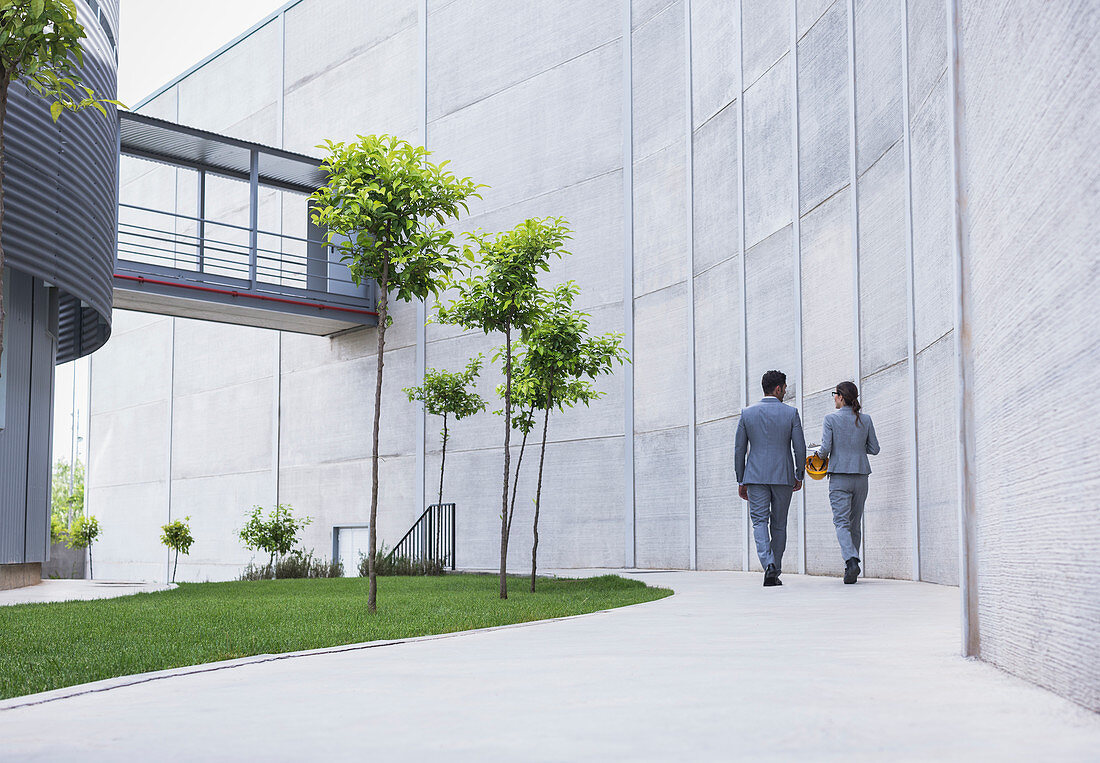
(48, 646)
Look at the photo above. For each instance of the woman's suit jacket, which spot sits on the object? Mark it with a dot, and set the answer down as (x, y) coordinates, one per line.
(847, 444)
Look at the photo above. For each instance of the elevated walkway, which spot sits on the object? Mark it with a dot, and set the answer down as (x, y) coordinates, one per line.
(218, 229)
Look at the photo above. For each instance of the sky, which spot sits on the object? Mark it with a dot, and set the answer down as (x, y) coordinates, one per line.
(158, 40)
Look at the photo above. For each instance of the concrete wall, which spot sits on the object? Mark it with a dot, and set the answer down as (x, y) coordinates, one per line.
(632, 126)
(1032, 276)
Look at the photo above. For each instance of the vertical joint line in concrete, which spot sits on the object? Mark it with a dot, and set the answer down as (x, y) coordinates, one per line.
(796, 237)
(971, 635)
(853, 178)
(910, 304)
(277, 413)
(693, 539)
(628, 289)
(171, 427)
(422, 307)
(282, 80)
(747, 529)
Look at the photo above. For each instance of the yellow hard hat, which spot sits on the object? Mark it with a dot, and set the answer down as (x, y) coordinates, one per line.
(816, 466)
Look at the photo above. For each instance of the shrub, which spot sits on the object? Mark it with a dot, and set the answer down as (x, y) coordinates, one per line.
(400, 565)
(297, 564)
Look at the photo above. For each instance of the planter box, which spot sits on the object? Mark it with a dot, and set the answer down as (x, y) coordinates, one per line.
(65, 562)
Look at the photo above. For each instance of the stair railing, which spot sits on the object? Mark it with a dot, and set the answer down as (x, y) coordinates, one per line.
(430, 539)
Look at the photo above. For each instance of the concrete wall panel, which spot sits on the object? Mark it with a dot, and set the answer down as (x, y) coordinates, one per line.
(766, 36)
(823, 126)
(120, 383)
(376, 91)
(718, 370)
(811, 11)
(139, 431)
(217, 355)
(928, 35)
(714, 197)
(828, 347)
(937, 461)
(659, 81)
(1034, 217)
(661, 389)
(884, 320)
(878, 79)
(527, 140)
(250, 71)
(769, 277)
(714, 42)
(933, 268)
(661, 463)
(769, 184)
(348, 28)
(225, 430)
(130, 518)
(219, 507)
(719, 527)
(888, 518)
(479, 48)
(660, 200)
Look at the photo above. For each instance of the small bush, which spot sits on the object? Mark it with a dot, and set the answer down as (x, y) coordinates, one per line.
(297, 564)
(399, 565)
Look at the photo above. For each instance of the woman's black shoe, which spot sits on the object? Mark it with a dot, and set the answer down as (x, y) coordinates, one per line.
(851, 570)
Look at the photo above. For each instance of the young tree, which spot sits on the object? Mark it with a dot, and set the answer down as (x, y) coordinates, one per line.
(40, 46)
(177, 536)
(504, 296)
(557, 360)
(83, 534)
(276, 535)
(447, 394)
(384, 207)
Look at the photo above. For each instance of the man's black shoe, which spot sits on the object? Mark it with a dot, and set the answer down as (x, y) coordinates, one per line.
(851, 570)
(771, 576)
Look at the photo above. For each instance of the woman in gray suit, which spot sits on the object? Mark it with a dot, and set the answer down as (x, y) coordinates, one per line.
(847, 438)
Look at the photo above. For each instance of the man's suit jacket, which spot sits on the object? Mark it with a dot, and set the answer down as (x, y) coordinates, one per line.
(845, 444)
(770, 447)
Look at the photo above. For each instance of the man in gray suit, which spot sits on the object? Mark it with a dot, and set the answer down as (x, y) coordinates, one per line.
(770, 460)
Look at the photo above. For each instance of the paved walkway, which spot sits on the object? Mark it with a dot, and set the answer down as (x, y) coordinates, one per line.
(72, 590)
(723, 670)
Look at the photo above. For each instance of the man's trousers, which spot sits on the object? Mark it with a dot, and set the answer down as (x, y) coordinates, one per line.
(768, 506)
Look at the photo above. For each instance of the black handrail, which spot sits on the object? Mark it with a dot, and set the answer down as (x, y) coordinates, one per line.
(431, 538)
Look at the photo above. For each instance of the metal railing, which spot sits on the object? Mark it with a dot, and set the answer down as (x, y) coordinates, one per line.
(204, 249)
(430, 539)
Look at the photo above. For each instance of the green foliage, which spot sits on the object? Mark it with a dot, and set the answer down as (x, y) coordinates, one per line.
(40, 45)
(503, 292)
(276, 534)
(205, 622)
(83, 532)
(297, 564)
(385, 564)
(66, 498)
(177, 535)
(445, 393)
(556, 357)
(384, 208)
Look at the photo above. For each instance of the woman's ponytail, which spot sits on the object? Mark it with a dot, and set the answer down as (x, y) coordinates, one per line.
(850, 393)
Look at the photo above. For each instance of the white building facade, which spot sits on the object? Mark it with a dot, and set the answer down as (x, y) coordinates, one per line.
(818, 187)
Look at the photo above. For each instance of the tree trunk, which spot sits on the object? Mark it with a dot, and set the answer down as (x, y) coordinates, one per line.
(91, 575)
(538, 495)
(175, 564)
(383, 303)
(5, 81)
(507, 460)
(443, 459)
(515, 482)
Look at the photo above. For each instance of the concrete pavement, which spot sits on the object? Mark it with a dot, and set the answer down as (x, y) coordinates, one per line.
(723, 670)
(77, 590)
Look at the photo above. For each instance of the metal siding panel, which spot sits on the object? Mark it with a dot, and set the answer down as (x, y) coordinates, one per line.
(13, 438)
(40, 440)
(61, 178)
